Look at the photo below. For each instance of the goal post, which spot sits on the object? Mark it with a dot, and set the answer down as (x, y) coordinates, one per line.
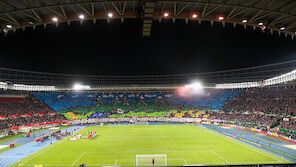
(146, 159)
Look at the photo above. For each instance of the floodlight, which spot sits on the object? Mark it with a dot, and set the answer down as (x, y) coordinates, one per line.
(81, 87)
(260, 24)
(244, 21)
(81, 16)
(282, 28)
(110, 14)
(31, 22)
(194, 16)
(195, 85)
(55, 19)
(166, 14)
(8, 26)
(221, 18)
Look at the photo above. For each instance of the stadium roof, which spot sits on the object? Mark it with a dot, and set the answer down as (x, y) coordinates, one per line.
(250, 74)
(274, 15)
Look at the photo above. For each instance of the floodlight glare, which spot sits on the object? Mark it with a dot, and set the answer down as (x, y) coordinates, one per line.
(166, 14)
(81, 87)
(110, 14)
(244, 21)
(282, 28)
(8, 26)
(194, 16)
(260, 24)
(195, 85)
(81, 16)
(221, 18)
(55, 19)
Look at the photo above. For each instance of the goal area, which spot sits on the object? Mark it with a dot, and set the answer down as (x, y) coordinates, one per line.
(146, 159)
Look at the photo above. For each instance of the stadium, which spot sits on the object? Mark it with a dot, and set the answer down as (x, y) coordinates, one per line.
(238, 115)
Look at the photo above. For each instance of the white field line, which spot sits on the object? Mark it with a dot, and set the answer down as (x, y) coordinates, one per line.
(70, 165)
(43, 152)
(78, 158)
(146, 151)
(220, 156)
(151, 136)
(244, 145)
(115, 162)
(185, 161)
(193, 164)
(256, 162)
(58, 143)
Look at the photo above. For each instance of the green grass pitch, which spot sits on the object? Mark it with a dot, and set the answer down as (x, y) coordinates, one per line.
(120, 145)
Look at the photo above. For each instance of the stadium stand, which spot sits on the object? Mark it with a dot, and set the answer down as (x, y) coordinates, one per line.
(274, 100)
(257, 107)
(18, 108)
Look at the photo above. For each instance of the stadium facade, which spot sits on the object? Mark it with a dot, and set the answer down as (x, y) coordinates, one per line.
(259, 76)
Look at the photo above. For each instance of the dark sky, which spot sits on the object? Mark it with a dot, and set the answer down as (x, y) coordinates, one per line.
(119, 48)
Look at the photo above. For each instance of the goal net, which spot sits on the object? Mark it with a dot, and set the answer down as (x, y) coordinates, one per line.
(146, 159)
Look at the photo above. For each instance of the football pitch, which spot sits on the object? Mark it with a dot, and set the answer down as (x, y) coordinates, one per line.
(174, 145)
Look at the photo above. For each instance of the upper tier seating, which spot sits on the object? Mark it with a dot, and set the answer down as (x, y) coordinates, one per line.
(268, 100)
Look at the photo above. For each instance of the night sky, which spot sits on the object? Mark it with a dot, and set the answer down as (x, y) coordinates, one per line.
(117, 48)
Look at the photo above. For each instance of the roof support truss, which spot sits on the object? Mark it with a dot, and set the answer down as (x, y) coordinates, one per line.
(119, 9)
(90, 13)
(57, 13)
(238, 13)
(211, 11)
(13, 19)
(182, 9)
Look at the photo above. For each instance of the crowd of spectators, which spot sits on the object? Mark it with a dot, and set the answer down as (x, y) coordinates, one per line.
(291, 125)
(24, 105)
(275, 100)
(258, 119)
(11, 122)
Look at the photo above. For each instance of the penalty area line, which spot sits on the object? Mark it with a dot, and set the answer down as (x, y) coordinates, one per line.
(185, 161)
(80, 157)
(220, 156)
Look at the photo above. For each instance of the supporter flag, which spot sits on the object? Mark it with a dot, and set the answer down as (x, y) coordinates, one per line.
(52, 113)
(39, 114)
(28, 134)
(25, 115)
(14, 116)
